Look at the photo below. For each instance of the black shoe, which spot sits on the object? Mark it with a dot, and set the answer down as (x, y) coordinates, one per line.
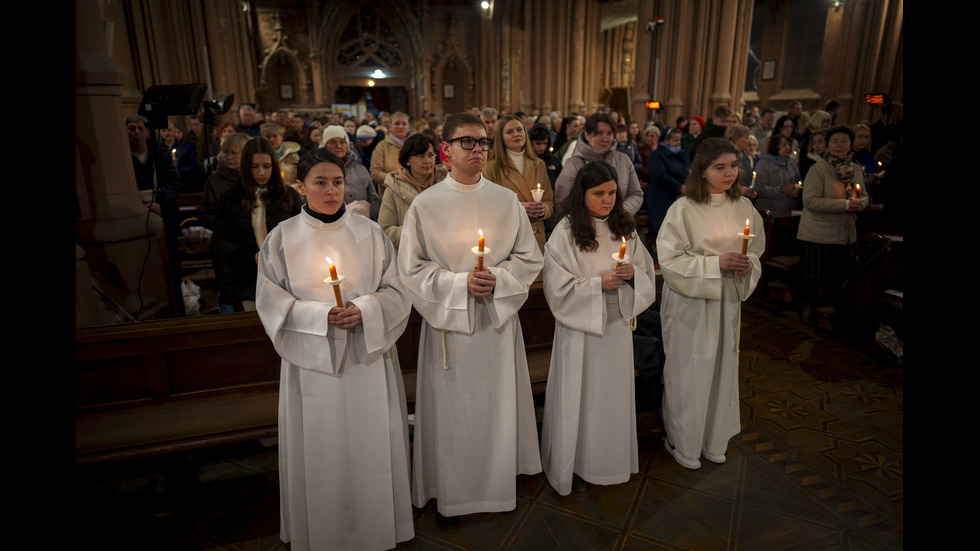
(446, 522)
(579, 485)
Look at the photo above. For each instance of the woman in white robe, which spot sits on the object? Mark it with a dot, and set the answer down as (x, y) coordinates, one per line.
(705, 280)
(343, 438)
(589, 426)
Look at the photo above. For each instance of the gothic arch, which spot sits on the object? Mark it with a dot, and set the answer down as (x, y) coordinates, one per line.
(301, 70)
(404, 31)
(452, 55)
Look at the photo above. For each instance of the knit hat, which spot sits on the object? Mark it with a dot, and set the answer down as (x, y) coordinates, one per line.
(331, 132)
(365, 132)
(700, 120)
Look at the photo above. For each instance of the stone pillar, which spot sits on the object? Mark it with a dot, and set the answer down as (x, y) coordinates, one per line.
(724, 54)
(643, 62)
(576, 78)
(111, 223)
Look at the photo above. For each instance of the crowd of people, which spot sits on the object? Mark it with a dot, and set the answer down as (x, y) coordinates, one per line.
(334, 228)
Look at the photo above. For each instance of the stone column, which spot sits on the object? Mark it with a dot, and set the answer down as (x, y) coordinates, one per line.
(643, 63)
(724, 54)
(111, 223)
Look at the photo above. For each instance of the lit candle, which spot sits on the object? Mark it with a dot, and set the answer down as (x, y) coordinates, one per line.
(879, 168)
(537, 193)
(479, 259)
(753, 179)
(622, 249)
(745, 242)
(173, 155)
(335, 283)
(857, 191)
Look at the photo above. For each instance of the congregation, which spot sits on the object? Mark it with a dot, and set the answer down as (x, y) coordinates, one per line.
(401, 200)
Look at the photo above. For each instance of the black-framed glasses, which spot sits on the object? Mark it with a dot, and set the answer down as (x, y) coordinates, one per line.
(468, 143)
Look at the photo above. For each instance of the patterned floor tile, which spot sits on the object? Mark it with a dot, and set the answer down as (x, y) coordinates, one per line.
(677, 516)
(765, 530)
(548, 528)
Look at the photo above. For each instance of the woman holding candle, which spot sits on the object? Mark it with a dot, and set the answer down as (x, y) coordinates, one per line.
(418, 172)
(776, 176)
(589, 427)
(786, 127)
(516, 167)
(705, 280)
(828, 227)
(343, 435)
(246, 214)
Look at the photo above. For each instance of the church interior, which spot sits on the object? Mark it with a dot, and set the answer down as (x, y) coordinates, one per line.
(176, 414)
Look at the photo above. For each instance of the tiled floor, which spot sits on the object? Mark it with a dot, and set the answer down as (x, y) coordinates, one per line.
(818, 465)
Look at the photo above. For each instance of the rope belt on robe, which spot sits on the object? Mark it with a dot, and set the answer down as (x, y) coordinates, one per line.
(445, 365)
(738, 337)
(632, 322)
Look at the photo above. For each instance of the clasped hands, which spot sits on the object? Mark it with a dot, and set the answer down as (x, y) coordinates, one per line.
(480, 282)
(344, 318)
(735, 261)
(535, 209)
(614, 280)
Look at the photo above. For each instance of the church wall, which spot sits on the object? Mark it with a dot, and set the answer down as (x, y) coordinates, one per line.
(692, 62)
(862, 52)
(517, 55)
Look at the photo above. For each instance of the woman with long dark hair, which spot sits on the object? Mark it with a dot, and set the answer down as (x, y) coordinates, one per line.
(246, 214)
(343, 434)
(706, 277)
(589, 427)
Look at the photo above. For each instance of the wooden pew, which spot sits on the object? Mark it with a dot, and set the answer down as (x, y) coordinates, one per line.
(170, 385)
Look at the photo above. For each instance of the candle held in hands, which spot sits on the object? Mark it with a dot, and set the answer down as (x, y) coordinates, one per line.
(745, 242)
(334, 279)
(479, 259)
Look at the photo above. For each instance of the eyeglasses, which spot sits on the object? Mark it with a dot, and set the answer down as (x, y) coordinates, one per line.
(468, 143)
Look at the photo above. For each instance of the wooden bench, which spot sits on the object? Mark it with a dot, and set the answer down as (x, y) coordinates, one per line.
(170, 385)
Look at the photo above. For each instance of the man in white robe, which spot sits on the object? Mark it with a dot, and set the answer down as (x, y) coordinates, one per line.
(475, 427)
(343, 432)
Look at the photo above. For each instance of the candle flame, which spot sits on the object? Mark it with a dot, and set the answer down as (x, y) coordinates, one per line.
(624, 239)
(539, 183)
(746, 221)
(859, 186)
(481, 233)
(329, 261)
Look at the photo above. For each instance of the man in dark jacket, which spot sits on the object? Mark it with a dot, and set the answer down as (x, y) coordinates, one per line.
(715, 129)
(157, 173)
(246, 121)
